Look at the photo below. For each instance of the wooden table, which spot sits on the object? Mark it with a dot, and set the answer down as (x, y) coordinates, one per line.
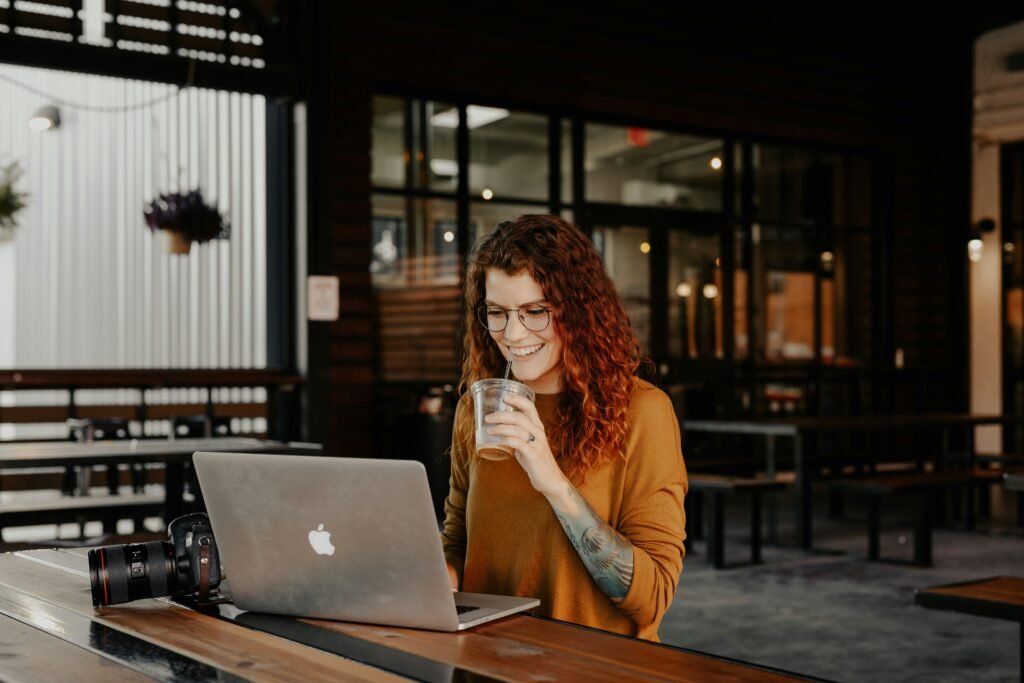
(799, 428)
(50, 631)
(174, 453)
(999, 597)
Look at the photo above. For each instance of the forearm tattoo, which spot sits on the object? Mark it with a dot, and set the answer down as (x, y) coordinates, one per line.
(606, 553)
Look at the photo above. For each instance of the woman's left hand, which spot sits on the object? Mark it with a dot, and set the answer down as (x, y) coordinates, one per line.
(524, 432)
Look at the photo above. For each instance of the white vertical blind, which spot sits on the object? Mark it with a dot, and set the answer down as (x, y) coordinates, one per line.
(94, 287)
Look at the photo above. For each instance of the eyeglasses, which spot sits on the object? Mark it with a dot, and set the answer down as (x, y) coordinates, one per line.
(534, 317)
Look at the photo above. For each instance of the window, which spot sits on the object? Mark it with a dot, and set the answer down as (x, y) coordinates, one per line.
(811, 257)
(695, 296)
(417, 259)
(626, 251)
(796, 289)
(508, 154)
(643, 167)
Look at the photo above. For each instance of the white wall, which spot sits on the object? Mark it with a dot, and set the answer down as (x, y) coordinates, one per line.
(7, 301)
(985, 284)
(95, 288)
(998, 119)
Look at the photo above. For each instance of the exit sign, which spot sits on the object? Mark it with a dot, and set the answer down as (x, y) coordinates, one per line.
(638, 137)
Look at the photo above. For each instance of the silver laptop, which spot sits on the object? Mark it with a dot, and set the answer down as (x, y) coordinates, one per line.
(336, 538)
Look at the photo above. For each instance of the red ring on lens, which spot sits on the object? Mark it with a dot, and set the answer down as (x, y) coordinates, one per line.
(103, 569)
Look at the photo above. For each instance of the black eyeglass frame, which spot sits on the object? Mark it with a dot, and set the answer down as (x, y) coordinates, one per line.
(483, 309)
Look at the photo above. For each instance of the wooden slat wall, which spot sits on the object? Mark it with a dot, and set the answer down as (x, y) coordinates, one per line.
(930, 215)
(895, 89)
(418, 329)
(345, 211)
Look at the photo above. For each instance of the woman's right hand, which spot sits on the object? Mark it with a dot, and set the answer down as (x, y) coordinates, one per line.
(453, 576)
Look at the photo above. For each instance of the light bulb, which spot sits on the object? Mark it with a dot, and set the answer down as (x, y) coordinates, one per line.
(974, 248)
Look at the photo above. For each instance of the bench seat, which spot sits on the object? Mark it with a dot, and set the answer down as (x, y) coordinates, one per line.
(717, 486)
(923, 485)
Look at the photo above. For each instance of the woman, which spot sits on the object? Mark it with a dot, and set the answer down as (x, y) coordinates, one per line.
(588, 516)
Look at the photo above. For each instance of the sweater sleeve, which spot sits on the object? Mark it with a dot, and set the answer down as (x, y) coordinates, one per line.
(652, 516)
(453, 537)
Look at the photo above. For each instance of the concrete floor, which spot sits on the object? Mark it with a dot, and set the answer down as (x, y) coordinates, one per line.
(833, 614)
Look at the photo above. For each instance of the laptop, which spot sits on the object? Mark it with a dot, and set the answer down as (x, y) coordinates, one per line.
(348, 539)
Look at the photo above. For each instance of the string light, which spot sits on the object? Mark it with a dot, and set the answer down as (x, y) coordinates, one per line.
(68, 104)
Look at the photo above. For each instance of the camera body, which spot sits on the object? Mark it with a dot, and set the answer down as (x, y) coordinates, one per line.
(187, 564)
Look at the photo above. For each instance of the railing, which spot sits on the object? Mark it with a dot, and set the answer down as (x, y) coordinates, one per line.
(147, 398)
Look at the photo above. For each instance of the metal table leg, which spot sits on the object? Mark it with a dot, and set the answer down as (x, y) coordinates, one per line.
(802, 496)
(771, 512)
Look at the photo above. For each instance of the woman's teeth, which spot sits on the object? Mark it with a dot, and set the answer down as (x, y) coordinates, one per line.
(522, 352)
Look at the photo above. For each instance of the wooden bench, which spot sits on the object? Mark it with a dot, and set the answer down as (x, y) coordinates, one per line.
(840, 468)
(105, 508)
(724, 465)
(716, 487)
(1006, 463)
(924, 485)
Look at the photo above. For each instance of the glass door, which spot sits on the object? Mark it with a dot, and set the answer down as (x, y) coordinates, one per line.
(626, 250)
(1012, 180)
(667, 268)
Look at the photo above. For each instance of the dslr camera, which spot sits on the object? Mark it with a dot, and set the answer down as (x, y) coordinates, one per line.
(186, 565)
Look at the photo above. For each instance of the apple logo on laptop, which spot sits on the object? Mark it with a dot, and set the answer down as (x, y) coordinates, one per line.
(321, 541)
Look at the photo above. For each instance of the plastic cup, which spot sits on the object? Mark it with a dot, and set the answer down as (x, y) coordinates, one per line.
(489, 396)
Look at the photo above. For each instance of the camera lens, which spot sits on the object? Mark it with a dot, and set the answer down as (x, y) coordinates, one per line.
(122, 573)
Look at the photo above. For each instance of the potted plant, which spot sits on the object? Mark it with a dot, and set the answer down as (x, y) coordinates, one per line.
(185, 218)
(11, 201)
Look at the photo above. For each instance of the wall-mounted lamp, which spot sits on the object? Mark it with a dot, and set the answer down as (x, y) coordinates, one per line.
(45, 118)
(828, 260)
(975, 245)
(974, 248)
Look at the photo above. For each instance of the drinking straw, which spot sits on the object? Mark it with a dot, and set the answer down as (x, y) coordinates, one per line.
(508, 368)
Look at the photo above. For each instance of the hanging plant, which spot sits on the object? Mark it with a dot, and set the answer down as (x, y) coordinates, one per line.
(185, 218)
(11, 201)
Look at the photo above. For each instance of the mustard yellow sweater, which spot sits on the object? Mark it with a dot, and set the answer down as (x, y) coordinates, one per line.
(506, 537)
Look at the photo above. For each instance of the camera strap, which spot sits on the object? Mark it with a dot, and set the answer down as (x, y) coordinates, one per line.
(204, 572)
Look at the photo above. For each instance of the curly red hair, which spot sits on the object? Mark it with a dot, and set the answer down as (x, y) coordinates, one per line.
(600, 352)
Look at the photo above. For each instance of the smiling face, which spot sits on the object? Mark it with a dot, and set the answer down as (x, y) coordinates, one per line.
(536, 356)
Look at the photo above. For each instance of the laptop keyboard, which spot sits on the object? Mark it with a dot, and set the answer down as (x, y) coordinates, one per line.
(462, 609)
